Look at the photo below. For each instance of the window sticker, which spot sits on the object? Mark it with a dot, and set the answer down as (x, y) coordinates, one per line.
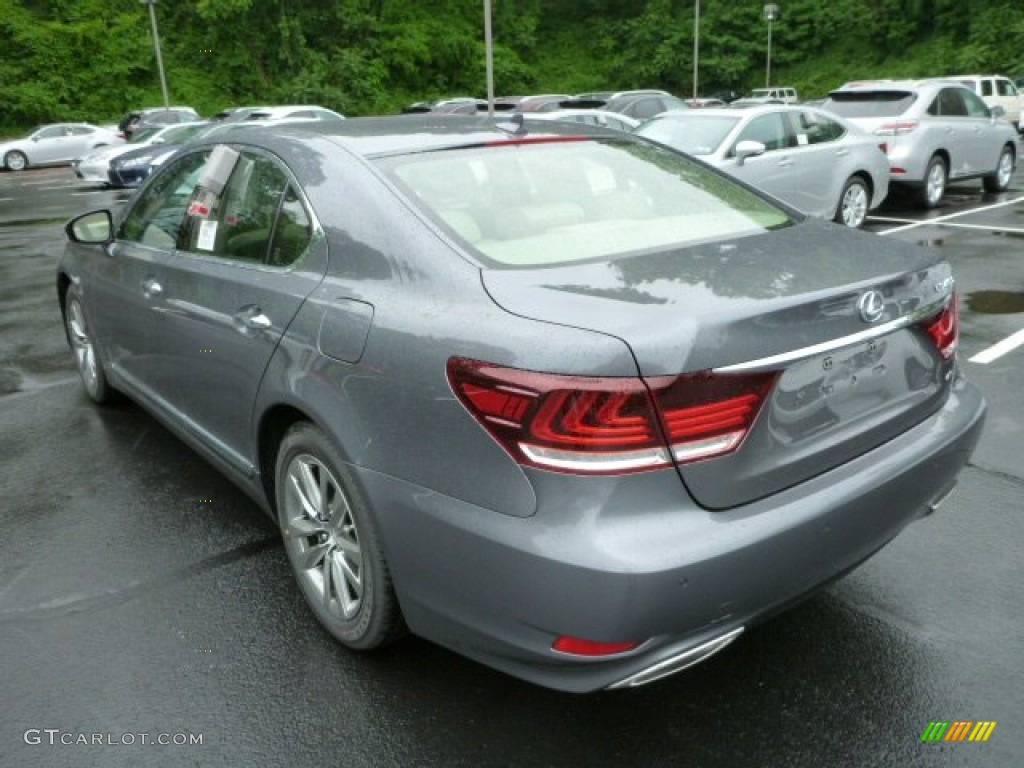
(202, 204)
(801, 139)
(207, 235)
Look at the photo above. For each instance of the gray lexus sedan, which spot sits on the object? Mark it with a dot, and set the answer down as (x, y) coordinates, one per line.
(558, 398)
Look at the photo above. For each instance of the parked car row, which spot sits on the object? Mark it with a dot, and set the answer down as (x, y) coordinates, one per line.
(562, 399)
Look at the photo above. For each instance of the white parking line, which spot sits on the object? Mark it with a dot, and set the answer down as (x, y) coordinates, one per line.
(996, 351)
(950, 217)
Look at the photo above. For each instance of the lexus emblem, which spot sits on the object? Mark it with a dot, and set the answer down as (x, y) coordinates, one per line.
(871, 306)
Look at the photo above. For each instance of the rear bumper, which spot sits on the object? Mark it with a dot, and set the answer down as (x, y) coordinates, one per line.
(635, 559)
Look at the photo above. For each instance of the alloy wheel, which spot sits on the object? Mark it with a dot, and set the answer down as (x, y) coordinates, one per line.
(321, 536)
(81, 345)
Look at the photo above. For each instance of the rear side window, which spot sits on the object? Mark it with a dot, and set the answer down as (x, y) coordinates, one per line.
(869, 103)
(949, 103)
(547, 203)
(815, 128)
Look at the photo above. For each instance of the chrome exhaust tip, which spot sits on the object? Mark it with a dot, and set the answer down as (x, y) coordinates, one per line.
(679, 662)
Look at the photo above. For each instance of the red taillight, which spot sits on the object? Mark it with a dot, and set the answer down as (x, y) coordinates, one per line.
(580, 647)
(944, 328)
(709, 414)
(609, 425)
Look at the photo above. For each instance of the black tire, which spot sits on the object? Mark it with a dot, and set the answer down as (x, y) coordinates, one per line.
(934, 187)
(336, 556)
(854, 202)
(15, 161)
(1000, 180)
(87, 357)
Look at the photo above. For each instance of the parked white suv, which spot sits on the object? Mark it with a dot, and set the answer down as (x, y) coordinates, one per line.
(995, 90)
(775, 94)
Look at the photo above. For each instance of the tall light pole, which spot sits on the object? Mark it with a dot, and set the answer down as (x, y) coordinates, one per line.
(696, 45)
(156, 45)
(771, 13)
(489, 56)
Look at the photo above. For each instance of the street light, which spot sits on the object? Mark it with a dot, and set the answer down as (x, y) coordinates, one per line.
(771, 13)
(156, 45)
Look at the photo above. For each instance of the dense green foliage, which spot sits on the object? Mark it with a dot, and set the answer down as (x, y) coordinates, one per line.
(94, 59)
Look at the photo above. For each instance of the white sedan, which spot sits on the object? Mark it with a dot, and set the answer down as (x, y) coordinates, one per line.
(55, 144)
(816, 162)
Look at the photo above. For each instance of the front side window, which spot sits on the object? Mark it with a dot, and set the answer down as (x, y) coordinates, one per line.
(51, 133)
(545, 203)
(974, 106)
(1006, 88)
(768, 129)
(156, 218)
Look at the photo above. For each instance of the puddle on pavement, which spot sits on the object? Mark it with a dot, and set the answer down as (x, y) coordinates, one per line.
(996, 302)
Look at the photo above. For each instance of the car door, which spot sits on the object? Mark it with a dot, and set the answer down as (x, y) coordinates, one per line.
(981, 146)
(126, 284)
(772, 171)
(79, 140)
(952, 131)
(248, 257)
(48, 145)
(820, 163)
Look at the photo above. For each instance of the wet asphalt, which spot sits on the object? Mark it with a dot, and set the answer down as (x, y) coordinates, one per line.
(144, 600)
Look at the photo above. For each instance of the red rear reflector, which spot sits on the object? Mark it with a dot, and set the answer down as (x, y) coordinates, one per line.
(580, 647)
(598, 425)
(944, 328)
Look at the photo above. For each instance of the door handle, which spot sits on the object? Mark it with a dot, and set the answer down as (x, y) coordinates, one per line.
(151, 289)
(252, 317)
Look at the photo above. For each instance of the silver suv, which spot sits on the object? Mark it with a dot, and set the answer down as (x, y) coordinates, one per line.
(934, 132)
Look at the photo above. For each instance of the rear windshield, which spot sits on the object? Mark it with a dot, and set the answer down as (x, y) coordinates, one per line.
(555, 202)
(695, 134)
(869, 103)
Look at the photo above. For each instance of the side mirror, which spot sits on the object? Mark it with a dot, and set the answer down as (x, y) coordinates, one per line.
(747, 149)
(95, 228)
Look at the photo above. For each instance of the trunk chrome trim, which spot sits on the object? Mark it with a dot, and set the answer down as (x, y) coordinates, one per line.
(775, 362)
(678, 662)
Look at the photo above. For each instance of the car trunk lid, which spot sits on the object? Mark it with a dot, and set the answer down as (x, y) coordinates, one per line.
(836, 315)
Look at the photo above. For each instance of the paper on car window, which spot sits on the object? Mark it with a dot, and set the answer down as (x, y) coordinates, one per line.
(207, 235)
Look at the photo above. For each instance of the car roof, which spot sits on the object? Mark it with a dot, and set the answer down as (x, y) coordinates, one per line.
(404, 134)
(899, 85)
